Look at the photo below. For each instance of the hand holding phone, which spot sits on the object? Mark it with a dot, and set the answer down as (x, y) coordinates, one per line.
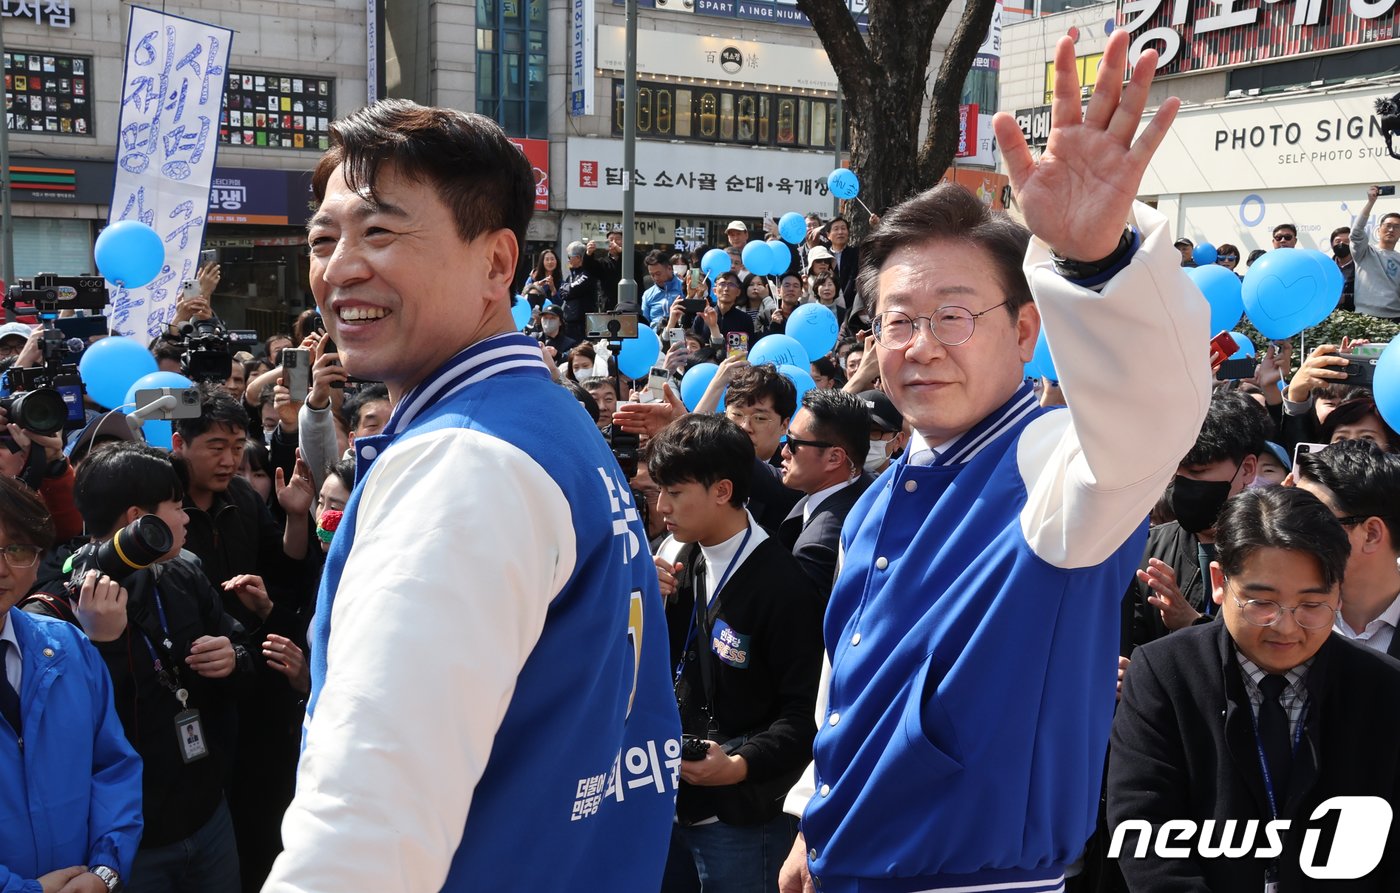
(296, 372)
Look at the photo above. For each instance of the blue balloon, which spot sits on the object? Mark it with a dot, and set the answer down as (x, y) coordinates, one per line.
(843, 183)
(693, 384)
(1221, 289)
(520, 312)
(716, 261)
(151, 382)
(792, 227)
(815, 328)
(757, 258)
(780, 350)
(1386, 387)
(158, 433)
(639, 354)
(1204, 253)
(1288, 290)
(801, 379)
(1042, 364)
(108, 368)
(782, 257)
(1246, 347)
(129, 253)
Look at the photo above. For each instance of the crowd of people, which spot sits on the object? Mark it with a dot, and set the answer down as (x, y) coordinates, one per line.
(480, 612)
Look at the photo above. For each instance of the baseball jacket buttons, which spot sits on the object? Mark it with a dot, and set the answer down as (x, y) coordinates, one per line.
(368, 452)
(855, 640)
(826, 789)
(911, 486)
(882, 562)
(833, 719)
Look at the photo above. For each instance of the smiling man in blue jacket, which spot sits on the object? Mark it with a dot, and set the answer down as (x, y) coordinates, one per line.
(972, 633)
(70, 784)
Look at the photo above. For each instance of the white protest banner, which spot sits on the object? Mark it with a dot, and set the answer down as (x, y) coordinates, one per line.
(172, 94)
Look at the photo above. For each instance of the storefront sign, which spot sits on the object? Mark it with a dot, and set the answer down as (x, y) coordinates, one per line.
(1196, 35)
(1273, 144)
(54, 13)
(266, 197)
(537, 153)
(1035, 125)
(647, 230)
(581, 43)
(696, 179)
(171, 100)
(779, 12)
(719, 59)
(60, 181)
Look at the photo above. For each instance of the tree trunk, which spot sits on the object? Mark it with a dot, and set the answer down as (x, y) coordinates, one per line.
(882, 77)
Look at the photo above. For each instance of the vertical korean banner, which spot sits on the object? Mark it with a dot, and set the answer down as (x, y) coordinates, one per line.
(980, 93)
(581, 49)
(172, 95)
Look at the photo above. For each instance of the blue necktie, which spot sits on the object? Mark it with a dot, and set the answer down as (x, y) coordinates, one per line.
(9, 698)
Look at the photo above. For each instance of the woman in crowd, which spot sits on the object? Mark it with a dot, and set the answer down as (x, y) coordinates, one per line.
(545, 274)
(826, 372)
(581, 360)
(753, 295)
(825, 292)
(1358, 419)
(1228, 256)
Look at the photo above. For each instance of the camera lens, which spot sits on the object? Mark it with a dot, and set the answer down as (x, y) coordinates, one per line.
(41, 410)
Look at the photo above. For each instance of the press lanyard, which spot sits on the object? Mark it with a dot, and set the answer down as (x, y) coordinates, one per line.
(1263, 761)
(170, 679)
(694, 614)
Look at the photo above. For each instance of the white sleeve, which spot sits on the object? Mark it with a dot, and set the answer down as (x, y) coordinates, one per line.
(795, 804)
(1133, 360)
(461, 543)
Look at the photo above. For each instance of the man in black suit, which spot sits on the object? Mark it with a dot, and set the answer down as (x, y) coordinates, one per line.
(826, 444)
(1261, 718)
(847, 258)
(1360, 483)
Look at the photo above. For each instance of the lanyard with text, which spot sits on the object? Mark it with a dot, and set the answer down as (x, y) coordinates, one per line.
(695, 613)
(1271, 874)
(189, 732)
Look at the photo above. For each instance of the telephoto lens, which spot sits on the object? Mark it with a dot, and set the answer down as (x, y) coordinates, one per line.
(41, 410)
(137, 545)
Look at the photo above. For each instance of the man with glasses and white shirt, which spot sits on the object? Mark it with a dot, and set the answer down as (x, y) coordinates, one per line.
(972, 634)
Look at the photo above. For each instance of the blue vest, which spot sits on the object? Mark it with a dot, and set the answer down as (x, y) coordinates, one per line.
(584, 767)
(972, 683)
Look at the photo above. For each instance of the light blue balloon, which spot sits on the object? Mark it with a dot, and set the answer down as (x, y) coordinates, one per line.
(1221, 289)
(693, 384)
(520, 312)
(1386, 387)
(716, 261)
(782, 257)
(843, 183)
(639, 354)
(129, 253)
(1204, 253)
(801, 379)
(757, 258)
(158, 433)
(1246, 347)
(780, 350)
(1287, 290)
(1042, 363)
(108, 368)
(792, 227)
(815, 328)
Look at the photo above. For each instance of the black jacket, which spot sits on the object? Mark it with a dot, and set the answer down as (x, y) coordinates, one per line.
(764, 694)
(238, 535)
(177, 797)
(1168, 543)
(1183, 747)
(579, 296)
(815, 543)
(770, 499)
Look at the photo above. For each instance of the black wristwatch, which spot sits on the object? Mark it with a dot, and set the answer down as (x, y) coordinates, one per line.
(1079, 269)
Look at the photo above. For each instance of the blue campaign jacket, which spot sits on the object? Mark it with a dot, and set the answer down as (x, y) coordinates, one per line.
(72, 794)
(487, 473)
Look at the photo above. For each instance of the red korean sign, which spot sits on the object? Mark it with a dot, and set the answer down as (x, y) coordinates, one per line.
(967, 131)
(537, 153)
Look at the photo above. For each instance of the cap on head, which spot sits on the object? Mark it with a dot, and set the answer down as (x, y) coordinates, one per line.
(736, 225)
(1183, 242)
(883, 415)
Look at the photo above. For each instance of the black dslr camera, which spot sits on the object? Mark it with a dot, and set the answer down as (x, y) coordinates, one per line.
(48, 398)
(136, 546)
(208, 355)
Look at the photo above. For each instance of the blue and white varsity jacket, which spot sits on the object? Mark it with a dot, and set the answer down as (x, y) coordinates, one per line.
(973, 629)
(490, 705)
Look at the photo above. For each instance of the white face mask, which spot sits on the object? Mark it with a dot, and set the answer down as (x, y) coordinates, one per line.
(678, 271)
(550, 326)
(876, 458)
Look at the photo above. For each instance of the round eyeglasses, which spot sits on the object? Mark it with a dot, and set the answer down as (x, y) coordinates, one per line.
(951, 325)
(1308, 615)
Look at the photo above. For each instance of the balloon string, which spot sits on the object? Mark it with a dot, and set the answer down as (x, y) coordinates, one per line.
(864, 205)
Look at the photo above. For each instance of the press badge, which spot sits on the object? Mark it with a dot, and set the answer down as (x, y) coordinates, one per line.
(190, 734)
(730, 646)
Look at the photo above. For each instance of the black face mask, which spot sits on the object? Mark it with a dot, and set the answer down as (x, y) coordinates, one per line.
(1196, 503)
(1342, 249)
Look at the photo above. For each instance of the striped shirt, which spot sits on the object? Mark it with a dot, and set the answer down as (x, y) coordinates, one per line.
(1293, 699)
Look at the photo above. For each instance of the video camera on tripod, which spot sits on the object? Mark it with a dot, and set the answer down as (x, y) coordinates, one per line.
(48, 398)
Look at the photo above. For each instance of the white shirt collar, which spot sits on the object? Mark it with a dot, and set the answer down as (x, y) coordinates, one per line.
(1389, 617)
(810, 503)
(13, 659)
(720, 557)
(919, 444)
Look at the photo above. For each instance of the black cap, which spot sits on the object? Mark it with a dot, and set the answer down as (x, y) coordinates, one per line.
(883, 415)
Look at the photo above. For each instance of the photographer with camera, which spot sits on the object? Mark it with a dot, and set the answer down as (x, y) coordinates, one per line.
(746, 644)
(176, 659)
(38, 461)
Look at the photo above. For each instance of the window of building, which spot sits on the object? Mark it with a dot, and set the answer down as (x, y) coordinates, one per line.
(710, 114)
(48, 93)
(511, 65)
(279, 111)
